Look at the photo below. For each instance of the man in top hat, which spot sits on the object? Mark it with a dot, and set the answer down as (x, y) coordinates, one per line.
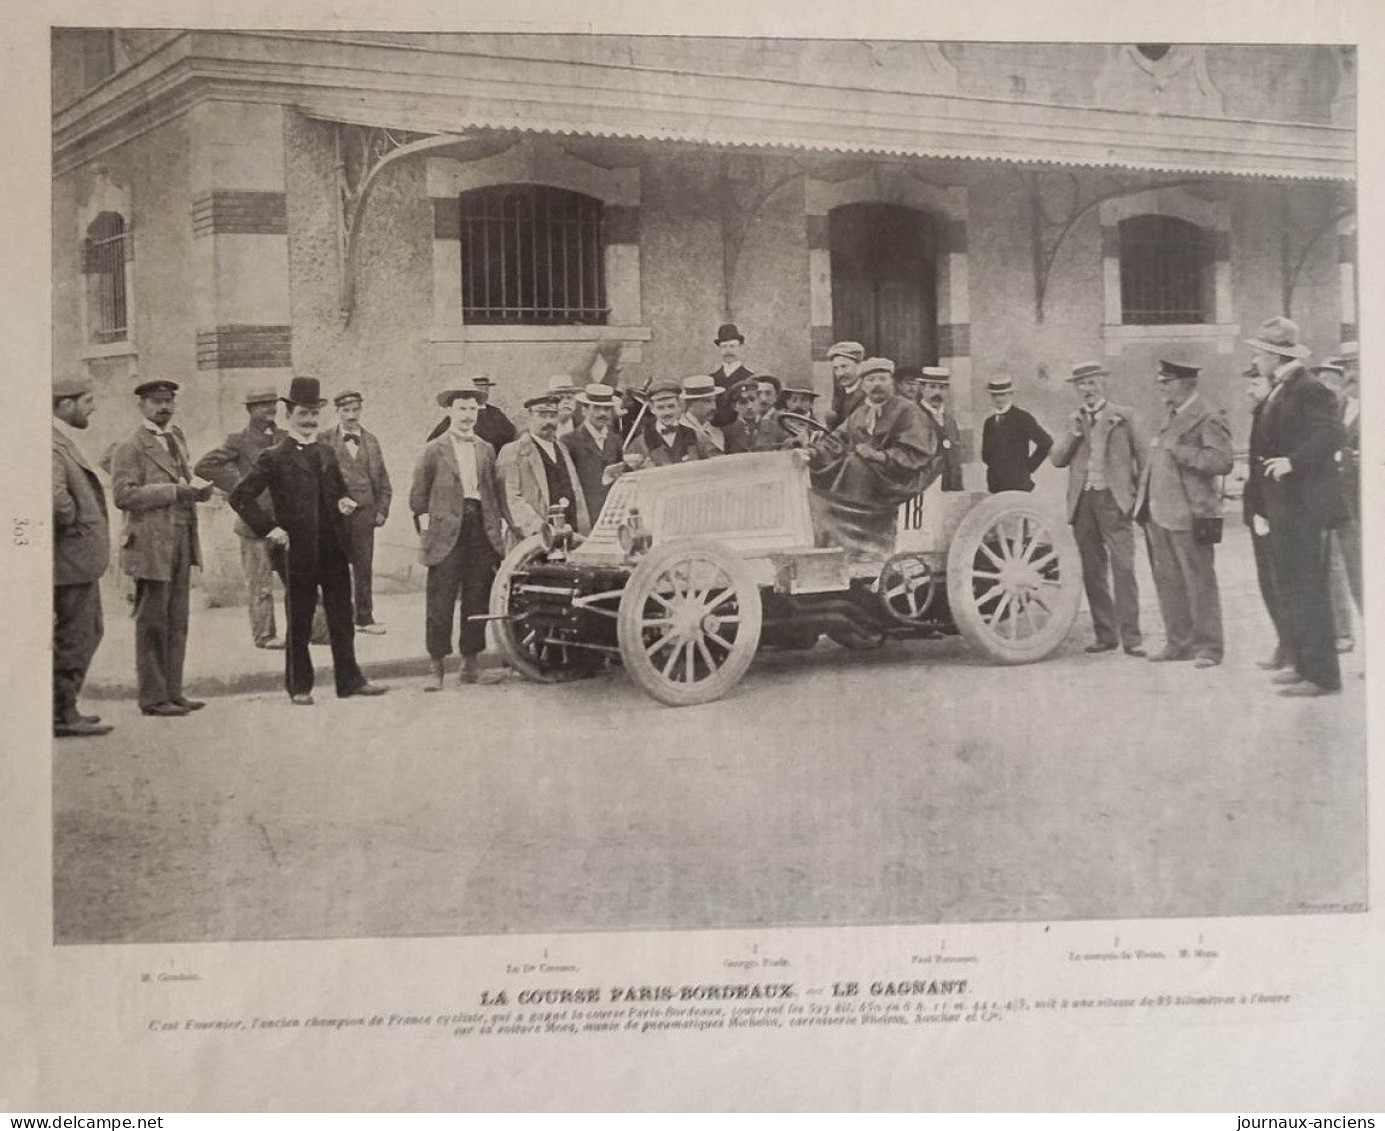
(663, 440)
(730, 342)
(1013, 443)
(1302, 500)
(537, 472)
(81, 553)
(152, 482)
(884, 453)
(933, 385)
(845, 359)
(595, 445)
(800, 397)
(1253, 512)
(1103, 451)
(699, 406)
(226, 466)
(367, 479)
(308, 539)
(492, 425)
(455, 499)
(1179, 501)
(744, 396)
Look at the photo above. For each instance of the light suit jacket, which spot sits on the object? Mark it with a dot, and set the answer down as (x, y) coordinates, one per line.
(144, 484)
(525, 486)
(1116, 444)
(1187, 458)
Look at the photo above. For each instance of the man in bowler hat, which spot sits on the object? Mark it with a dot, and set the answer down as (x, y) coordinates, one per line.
(730, 343)
(152, 483)
(81, 553)
(1013, 443)
(308, 540)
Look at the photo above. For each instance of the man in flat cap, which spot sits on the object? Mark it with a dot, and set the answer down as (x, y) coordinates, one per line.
(595, 445)
(845, 359)
(81, 553)
(884, 453)
(226, 466)
(367, 479)
(456, 502)
(492, 425)
(1179, 500)
(730, 343)
(537, 472)
(699, 406)
(663, 439)
(1013, 443)
(152, 482)
(1302, 435)
(740, 434)
(308, 541)
(1104, 453)
(933, 383)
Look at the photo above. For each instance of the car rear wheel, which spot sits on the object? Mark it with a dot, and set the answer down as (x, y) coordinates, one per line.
(534, 653)
(689, 622)
(1014, 580)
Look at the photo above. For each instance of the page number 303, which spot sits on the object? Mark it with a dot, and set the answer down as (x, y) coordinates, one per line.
(19, 531)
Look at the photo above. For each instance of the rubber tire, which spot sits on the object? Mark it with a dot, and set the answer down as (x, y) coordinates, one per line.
(505, 636)
(961, 598)
(630, 635)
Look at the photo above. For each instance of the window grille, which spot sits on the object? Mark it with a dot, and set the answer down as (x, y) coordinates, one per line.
(107, 249)
(1164, 271)
(532, 256)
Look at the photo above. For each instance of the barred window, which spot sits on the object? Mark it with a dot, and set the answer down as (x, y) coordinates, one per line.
(532, 256)
(1166, 273)
(106, 252)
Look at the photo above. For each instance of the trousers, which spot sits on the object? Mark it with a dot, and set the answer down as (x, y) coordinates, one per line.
(303, 579)
(1300, 545)
(259, 588)
(466, 573)
(1106, 539)
(1185, 577)
(77, 630)
(161, 626)
(1269, 592)
(360, 552)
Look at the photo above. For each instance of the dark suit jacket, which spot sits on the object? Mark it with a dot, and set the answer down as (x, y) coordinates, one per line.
(1116, 443)
(687, 445)
(905, 437)
(1302, 421)
(231, 462)
(1350, 462)
(294, 489)
(1012, 448)
(81, 525)
(726, 411)
(1253, 495)
(437, 492)
(591, 462)
(949, 447)
(144, 484)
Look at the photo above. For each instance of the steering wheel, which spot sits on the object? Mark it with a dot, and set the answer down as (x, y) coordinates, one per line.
(800, 427)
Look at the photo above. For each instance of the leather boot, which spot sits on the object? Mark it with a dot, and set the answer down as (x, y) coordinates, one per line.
(471, 672)
(435, 681)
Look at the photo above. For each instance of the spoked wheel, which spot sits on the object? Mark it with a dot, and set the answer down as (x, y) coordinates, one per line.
(1014, 580)
(909, 588)
(533, 652)
(689, 622)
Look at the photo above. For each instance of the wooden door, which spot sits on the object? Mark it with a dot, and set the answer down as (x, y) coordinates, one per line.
(884, 292)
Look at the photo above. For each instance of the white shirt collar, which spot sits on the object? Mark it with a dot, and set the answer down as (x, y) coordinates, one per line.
(456, 434)
(66, 429)
(598, 435)
(549, 447)
(302, 440)
(154, 428)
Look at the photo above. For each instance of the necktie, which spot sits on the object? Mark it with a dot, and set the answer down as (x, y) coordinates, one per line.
(174, 453)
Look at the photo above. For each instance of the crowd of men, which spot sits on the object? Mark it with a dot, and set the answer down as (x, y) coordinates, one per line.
(308, 501)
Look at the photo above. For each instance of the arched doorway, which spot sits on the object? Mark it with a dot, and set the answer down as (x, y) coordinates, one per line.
(884, 281)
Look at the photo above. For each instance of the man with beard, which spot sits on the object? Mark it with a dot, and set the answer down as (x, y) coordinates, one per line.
(800, 397)
(845, 359)
(537, 472)
(152, 484)
(308, 540)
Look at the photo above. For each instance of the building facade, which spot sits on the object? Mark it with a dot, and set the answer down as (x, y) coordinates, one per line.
(395, 212)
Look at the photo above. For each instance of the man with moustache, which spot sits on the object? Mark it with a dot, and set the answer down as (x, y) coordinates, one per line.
(800, 397)
(152, 483)
(362, 464)
(730, 342)
(537, 472)
(1013, 444)
(1179, 501)
(492, 425)
(1301, 433)
(845, 359)
(81, 553)
(933, 384)
(1258, 386)
(308, 541)
(699, 406)
(226, 466)
(595, 446)
(1104, 454)
(664, 440)
(455, 499)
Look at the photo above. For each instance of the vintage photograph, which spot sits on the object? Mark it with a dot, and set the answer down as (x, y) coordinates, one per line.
(544, 483)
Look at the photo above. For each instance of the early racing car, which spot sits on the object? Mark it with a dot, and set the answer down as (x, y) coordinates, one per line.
(691, 567)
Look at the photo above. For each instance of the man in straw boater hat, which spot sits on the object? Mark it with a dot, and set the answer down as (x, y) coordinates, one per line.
(883, 454)
(362, 463)
(1013, 444)
(81, 554)
(933, 383)
(1179, 502)
(455, 499)
(730, 342)
(845, 358)
(699, 406)
(308, 541)
(226, 466)
(1104, 453)
(536, 472)
(595, 445)
(1302, 501)
(152, 482)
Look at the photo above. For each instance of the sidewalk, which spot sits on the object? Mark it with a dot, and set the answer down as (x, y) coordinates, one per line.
(222, 660)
